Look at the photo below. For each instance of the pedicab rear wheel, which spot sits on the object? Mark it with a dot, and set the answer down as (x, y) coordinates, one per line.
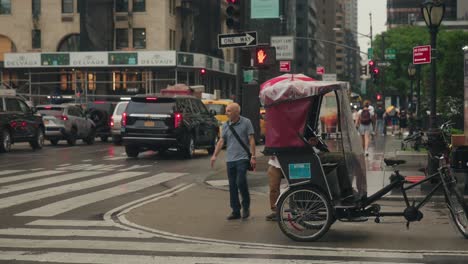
(305, 214)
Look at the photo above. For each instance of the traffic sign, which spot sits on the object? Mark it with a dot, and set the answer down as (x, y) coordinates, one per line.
(284, 47)
(422, 54)
(384, 64)
(239, 40)
(390, 54)
(370, 53)
(320, 70)
(285, 66)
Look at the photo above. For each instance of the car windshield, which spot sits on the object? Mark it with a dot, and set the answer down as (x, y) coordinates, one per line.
(50, 111)
(218, 108)
(161, 105)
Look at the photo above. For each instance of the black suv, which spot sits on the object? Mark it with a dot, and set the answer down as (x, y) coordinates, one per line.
(100, 113)
(160, 122)
(19, 123)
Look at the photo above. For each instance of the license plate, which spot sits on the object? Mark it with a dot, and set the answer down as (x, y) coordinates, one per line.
(149, 124)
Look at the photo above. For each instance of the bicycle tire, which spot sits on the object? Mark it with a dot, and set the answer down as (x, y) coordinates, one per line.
(458, 211)
(305, 214)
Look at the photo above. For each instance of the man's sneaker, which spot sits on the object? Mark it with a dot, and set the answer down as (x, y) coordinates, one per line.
(245, 213)
(272, 217)
(233, 216)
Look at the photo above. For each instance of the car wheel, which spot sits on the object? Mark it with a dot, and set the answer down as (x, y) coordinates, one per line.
(38, 141)
(189, 148)
(104, 138)
(5, 140)
(54, 142)
(211, 149)
(132, 152)
(71, 140)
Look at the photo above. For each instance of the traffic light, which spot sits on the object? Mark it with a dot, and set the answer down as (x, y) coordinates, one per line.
(375, 74)
(264, 56)
(371, 65)
(364, 70)
(202, 71)
(233, 14)
(379, 97)
(202, 74)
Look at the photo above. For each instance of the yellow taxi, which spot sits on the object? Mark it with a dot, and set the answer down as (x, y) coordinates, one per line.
(219, 107)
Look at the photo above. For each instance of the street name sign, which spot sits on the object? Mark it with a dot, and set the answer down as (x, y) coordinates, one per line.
(422, 54)
(260, 9)
(237, 40)
(284, 47)
(285, 66)
(390, 54)
(384, 64)
(370, 53)
(329, 77)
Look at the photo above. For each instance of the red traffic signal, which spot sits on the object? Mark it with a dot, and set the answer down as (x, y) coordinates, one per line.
(379, 97)
(261, 56)
(376, 71)
(232, 1)
(371, 63)
(202, 71)
(233, 14)
(264, 56)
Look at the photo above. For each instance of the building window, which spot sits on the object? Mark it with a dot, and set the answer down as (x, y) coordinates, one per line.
(121, 38)
(67, 6)
(172, 44)
(172, 7)
(5, 7)
(36, 7)
(139, 6)
(121, 5)
(36, 39)
(139, 38)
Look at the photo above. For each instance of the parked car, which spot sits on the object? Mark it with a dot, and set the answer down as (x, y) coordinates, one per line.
(100, 112)
(160, 122)
(115, 122)
(18, 122)
(66, 122)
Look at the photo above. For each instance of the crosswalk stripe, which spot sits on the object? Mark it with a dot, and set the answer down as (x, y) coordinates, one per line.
(82, 200)
(29, 176)
(73, 232)
(91, 167)
(115, 158)
(47, 181)
(5, 172)
(95, 258)
(32, 196)
(199, 248)
(75, 223)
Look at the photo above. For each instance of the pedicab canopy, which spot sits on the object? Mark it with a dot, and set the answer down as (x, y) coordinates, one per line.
(288, 100)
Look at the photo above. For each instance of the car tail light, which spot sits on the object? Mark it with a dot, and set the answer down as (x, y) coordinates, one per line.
(13, 124)
(177, 119)
(111, 123)
(24, 124)
(151, 98)
(62, 117)
(124, 119)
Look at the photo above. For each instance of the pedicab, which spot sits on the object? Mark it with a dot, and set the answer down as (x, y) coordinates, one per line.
(317, 194)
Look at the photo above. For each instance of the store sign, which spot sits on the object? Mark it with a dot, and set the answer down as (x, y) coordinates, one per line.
(157, 58)
(22, 60)
(123, 58)
(88, 59)
(55, 59)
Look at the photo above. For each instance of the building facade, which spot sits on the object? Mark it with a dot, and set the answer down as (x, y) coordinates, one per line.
(408, 12)
(128, 27)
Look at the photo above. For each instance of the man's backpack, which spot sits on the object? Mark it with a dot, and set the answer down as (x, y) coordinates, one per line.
(403, 114)
(365, 117)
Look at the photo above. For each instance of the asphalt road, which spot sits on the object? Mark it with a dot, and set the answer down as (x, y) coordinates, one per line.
(64, 205)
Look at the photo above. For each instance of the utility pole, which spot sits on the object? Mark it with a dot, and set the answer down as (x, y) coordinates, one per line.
(370, 19)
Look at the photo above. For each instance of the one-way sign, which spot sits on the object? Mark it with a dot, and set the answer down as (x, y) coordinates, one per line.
(245, 39)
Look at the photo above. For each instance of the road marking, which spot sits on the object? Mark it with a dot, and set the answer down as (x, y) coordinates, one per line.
(114, 158)
(199, 248)
(72, 233)
(136, 167)
(65, 164)
(87, 160)
(92, 258)
(47, 181)
(33, 196)
(5, 172)
(218, 183)
(29, 176)
(82, 200)
(91, 167)
(75, 223)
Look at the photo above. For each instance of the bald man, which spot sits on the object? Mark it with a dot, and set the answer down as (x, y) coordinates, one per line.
(237, 159)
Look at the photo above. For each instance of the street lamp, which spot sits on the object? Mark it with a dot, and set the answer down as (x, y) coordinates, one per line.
(433, 13)
(411, 74)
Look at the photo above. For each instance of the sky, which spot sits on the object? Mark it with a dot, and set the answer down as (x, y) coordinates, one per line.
(378, 8)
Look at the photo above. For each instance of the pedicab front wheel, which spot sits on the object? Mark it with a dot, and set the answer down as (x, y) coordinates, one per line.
(305, 214)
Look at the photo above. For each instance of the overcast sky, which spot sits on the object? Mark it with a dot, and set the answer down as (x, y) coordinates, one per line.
(378, 8)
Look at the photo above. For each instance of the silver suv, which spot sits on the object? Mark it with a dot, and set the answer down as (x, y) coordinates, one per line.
(115, 122)
(66, 122)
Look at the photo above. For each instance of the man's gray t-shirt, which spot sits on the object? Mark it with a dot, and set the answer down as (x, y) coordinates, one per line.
(234, 150)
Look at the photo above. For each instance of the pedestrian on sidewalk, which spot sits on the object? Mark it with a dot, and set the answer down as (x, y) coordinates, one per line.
(379, 123)
(238, 133)
(364, 125)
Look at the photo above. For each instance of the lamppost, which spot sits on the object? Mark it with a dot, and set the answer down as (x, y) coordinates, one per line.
(411, 74)
(433, 13)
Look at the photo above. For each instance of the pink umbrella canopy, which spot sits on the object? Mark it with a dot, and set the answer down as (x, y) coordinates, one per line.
(294, 86)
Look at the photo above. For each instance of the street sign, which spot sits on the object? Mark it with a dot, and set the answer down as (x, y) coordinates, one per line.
(384, 64)
(422, 54)
(329, 77)
(264, 9)
(284, 47)
(320, 70)
(238, 40)
(285, 66)
(390, 54)
(370, 53)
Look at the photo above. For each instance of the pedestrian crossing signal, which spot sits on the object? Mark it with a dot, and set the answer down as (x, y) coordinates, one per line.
(264, 56)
